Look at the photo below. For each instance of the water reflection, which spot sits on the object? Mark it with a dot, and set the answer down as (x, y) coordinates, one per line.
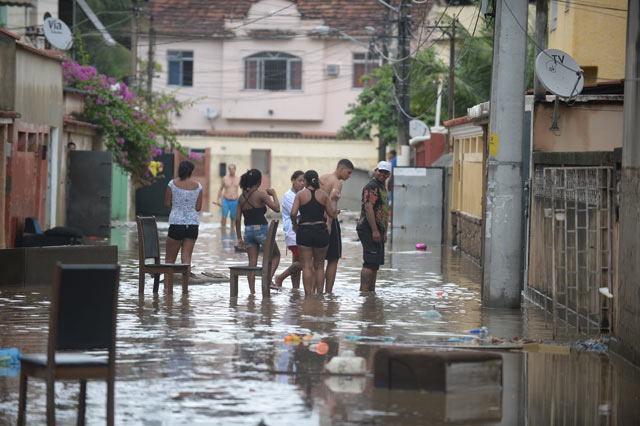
(201, 358)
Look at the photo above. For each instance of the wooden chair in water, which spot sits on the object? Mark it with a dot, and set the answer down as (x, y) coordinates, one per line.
(83, 317)
(264, 270)
(149, 248)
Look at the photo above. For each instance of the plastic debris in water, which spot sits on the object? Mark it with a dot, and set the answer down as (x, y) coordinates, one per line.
(10, 362)
(421, 246)
(460, 339)
(431, 314)
(322, 348)
(482, 330)
(356, 337)
(346, 365)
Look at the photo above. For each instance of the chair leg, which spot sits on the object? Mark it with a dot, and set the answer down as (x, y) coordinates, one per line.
(82, 403)
(156, 282)
(141, 282)
(168, 282)
(185, 282)
(22, 404)
(110, 399)
(266, 287)
(51, 402)
(233, 281)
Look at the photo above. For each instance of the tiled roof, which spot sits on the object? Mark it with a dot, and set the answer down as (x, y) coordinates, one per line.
(206, 18)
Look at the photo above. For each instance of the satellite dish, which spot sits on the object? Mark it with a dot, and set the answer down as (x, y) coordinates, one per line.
(559, 73)
(418, 128)
(57, 33)
(211, 113)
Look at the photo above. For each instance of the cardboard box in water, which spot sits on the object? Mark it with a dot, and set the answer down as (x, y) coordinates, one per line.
(33, 266)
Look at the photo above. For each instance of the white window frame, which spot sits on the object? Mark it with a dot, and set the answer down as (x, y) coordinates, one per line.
(261, 58)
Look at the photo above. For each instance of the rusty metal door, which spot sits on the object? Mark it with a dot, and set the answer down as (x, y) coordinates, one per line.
(26, 179)
(89, 201)
(417, 205)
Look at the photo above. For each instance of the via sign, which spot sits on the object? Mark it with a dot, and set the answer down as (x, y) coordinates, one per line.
(57, 33)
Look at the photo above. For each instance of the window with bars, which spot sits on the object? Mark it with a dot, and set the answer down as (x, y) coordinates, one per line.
(274, 71)
(363, 64)
(180, 68)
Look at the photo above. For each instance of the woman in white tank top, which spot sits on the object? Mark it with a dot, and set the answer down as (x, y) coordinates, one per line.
(184, 199)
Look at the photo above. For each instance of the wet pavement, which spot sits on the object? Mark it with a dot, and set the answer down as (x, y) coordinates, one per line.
(202, 358)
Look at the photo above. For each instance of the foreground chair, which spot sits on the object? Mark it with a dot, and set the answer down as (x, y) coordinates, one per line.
(149, 248)
(83, 317)
(264, 270)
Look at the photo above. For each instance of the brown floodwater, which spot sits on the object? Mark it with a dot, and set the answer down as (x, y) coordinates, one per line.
(201, 358)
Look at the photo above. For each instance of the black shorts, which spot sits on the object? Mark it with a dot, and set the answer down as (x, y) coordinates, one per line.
(372, 252)
(316, 236)
(180, 232)
(334, 251)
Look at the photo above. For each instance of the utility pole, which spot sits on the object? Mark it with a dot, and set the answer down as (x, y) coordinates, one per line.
(133, 64)
(403, 92)
(627, 327)
(542, 13)
(151, 52)
(502, 257)
(452, 65)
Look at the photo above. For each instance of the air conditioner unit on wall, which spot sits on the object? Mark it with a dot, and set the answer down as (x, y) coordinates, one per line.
(333, 69)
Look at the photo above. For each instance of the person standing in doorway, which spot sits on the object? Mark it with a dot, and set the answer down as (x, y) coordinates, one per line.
(252, 204)
(184, 199)
(228, 197)
(293, 271)
(372, 225)
(312, 235)
(328, 183)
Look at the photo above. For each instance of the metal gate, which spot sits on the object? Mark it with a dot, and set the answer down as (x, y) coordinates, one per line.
(150, 198)
(89, 201)
(417, 207)
(577, 242)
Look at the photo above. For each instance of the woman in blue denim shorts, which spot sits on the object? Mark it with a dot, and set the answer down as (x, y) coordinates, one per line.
(252, 205)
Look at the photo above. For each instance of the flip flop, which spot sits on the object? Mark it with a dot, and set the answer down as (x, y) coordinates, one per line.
(275, 287)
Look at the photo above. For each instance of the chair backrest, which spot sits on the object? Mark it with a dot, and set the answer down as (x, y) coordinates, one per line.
(32, 225)
(148, 243)
(267, 253)
(83, 307)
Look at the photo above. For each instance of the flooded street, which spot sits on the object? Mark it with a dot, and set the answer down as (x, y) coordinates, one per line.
(202, 358)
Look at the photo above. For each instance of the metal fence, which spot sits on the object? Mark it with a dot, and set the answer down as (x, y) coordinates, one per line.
(577, 255)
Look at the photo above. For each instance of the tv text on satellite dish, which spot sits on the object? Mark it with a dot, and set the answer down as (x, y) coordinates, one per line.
(57, 33)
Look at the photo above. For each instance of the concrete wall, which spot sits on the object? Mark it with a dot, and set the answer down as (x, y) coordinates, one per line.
(287, 156)
(592, 38)
(352, 190)
(583, 127)
(8, 72)
(219, 77)
(34, 265)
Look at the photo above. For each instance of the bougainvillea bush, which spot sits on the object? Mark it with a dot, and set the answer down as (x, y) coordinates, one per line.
(135, 131)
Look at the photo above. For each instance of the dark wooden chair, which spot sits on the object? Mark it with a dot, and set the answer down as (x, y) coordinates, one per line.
(83, 317)
(149, 248)
(264, 270)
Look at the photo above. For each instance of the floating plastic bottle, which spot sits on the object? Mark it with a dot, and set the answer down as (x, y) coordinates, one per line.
(483, 330)
(421, 246)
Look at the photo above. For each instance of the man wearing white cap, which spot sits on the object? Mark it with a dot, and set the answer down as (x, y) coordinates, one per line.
(372, 226)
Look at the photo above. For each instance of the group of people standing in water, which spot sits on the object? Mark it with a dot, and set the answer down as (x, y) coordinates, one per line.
(310, 217)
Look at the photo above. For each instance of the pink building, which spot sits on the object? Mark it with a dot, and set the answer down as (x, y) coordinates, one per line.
(272, 78)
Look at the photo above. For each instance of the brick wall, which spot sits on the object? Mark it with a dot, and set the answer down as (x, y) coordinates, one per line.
(468, 233)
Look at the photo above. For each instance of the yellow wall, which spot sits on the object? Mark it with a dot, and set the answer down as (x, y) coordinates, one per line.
(467, 175)
(287, 156)
(592, 35)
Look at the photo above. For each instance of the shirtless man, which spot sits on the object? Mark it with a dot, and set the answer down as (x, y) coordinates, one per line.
(228, 190)
(329, 182)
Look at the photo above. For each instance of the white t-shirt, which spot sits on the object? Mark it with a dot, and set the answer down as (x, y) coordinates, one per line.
(287, 204)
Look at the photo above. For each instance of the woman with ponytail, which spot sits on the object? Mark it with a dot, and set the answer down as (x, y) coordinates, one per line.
(252, 205)
(312, 234)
